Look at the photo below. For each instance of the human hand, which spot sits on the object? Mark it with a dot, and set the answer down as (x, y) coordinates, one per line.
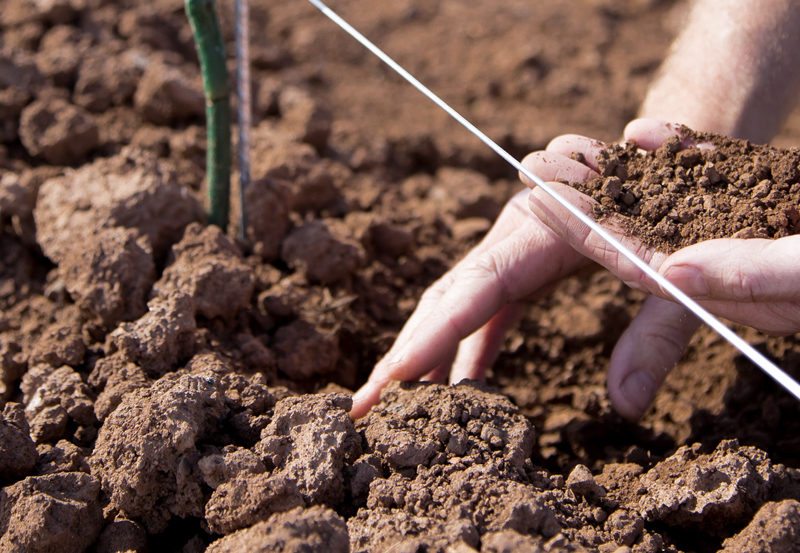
(458, 326)
(752, 282)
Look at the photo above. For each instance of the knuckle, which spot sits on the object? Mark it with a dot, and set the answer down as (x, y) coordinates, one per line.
(491, 268)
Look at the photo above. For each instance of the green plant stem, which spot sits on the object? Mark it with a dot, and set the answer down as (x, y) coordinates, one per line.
(211, 51)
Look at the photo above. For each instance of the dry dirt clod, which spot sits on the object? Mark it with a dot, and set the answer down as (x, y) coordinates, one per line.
(581, 482)
(131, 190)
(58, 512)
(64, 456)
(303, 116)
(304, 352)
(115, 376)
(167, 94)
(774, 529)
(267, 208)
(110, 275)
(103, 80)
(306, 445)
(313, 530)
(122, 536)
(59, 132)
(322, 252)
(17, 451)
(161, 337)
(711, 490)
(208, 267)
(146, 450)
(53, 397)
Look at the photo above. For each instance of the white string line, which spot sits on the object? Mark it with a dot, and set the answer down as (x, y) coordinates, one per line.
(244, 105)
(775, 372)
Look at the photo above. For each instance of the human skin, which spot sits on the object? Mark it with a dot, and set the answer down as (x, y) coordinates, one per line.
(458, 326)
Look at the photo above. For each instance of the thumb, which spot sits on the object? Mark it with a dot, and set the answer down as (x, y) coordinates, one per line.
(646, 352)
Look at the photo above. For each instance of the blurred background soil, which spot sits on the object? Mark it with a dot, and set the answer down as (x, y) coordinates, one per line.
(364, 194)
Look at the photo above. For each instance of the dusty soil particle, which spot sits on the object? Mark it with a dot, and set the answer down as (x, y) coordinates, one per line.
(53, 398)
(18, 454)
(322, 252)
(145, 455)
(712, 490)
(60, 132)
(698, 187)
(160, 338)
(313, 530)
(132, 190)
(774, 529)
(58, 512)
(207, 266)
(581, 482)
(305, 447)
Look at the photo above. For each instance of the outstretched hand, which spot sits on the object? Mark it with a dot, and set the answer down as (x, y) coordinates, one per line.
(458, 326)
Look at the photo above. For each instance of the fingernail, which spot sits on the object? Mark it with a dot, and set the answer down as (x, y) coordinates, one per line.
(639, 388)
(688, 279)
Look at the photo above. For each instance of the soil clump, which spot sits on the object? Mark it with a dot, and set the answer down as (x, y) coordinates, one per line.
(699, 186)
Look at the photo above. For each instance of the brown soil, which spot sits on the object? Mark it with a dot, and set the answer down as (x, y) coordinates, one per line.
(165, 387)
(699, 186)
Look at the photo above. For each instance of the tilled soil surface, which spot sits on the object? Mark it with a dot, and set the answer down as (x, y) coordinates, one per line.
(166, 387)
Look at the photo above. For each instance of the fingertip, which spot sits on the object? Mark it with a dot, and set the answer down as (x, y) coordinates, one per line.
(634, 394)
(650, 134)
(533, 162)
(364, 399)
(569, 145)
(645, 353)
(689, 279)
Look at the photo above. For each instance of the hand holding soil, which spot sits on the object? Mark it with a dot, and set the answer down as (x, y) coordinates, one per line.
(690, 190)
(747, 281)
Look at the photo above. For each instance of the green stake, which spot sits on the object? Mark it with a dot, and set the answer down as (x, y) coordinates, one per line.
(211, 51)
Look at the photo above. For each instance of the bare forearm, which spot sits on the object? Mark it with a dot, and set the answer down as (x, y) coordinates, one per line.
(734, 69)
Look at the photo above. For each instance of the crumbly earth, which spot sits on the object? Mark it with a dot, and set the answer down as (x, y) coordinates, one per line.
(166, 386)
(699, 186)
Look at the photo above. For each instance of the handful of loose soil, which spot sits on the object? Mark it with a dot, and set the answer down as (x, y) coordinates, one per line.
(719, 187)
